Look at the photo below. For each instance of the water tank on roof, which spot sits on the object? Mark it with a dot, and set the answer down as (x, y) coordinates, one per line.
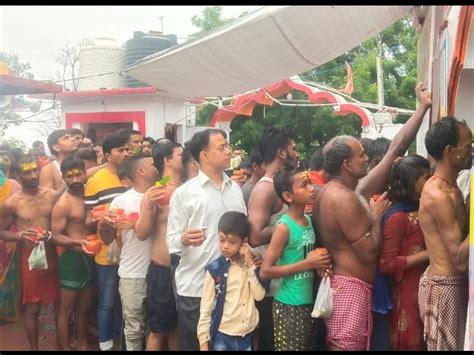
(100, 56)
(144, 44)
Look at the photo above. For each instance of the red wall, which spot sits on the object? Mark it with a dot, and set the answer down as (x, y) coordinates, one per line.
(108, 117)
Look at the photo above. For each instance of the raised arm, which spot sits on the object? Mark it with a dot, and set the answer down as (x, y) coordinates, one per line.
(377, 178)
(46, 176)
(148, 212)
(261, 204)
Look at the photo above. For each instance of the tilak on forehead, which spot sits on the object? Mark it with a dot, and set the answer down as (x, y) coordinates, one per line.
(28, 166)
(304, 175)
(73, 172)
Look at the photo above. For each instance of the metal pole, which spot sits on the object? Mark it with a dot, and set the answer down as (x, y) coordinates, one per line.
(380, 88)
(161, 20)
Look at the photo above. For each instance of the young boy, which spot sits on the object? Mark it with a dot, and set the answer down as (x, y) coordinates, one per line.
(234, 276)
(290, 256)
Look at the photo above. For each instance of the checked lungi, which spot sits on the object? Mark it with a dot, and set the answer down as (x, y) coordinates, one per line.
(350, 325)
(443, 310)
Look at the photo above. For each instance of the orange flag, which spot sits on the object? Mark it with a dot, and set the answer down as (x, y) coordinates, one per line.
(349, 85)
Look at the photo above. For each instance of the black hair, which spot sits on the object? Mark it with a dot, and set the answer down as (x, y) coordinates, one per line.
(122, 172)
(234, 223)
(75, 131)
(364, 142)
(36, 152)
(335, 152)
(112, 141)
(87, 153)
(403, 176)
(162, 151)
(186, 159)
(200, 141)
(53, 139)
(441, 134)
(162, 140)
(83, 145)
(149, 139)
(127, 133)
(132, 164)
(4, 152)
(256, 157)
(304, 163)
(245, 164)
(24, 159)
(72, 162)
(317, 160)
(272, 139)
(36, 144)
(377, 149)
(283, 180)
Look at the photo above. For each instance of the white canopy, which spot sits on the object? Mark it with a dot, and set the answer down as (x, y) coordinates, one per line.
(264, 47)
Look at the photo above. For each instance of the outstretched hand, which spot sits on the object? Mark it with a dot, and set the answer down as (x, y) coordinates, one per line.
(423, 96)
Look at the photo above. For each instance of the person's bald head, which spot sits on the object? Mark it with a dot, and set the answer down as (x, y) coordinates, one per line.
(345, 153)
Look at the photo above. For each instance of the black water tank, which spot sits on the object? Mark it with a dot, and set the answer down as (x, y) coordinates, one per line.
(144, 44)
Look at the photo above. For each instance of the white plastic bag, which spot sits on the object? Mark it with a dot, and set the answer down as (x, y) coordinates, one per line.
(37, 259)
(113, 253)
(323, 304)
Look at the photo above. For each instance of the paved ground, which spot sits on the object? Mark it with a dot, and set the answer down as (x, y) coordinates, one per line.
(13, 335)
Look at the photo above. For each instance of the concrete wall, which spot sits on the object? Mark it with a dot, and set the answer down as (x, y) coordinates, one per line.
(465, 100)
(430, 67)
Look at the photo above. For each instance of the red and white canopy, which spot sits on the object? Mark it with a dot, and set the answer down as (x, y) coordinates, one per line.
(245, 103)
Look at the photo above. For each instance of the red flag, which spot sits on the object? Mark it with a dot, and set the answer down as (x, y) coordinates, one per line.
(349, 85)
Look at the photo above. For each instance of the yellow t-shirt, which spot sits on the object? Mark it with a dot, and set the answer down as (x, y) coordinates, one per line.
(102, 188)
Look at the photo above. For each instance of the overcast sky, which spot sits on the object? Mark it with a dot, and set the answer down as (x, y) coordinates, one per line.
(36, 32)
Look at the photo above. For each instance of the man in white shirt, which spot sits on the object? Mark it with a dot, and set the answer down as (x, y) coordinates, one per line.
(195, 210)
(135, 253)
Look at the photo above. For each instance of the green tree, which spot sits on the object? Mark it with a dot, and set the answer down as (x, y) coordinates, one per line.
(399, 57)
(22, 70)
(210, 19)
(314, 126)
(14, 143)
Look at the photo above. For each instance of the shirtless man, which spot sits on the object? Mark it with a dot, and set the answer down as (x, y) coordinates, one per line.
(76, 265)
(27, 209)
(153, 219)
(353, 239)
(277, 148)
(61, 144)
(351, 230)
(443, 292)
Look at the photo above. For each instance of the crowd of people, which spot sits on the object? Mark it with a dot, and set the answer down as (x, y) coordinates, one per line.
(154, 245)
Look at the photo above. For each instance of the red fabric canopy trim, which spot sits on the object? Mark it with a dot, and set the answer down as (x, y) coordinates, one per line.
(245, 103)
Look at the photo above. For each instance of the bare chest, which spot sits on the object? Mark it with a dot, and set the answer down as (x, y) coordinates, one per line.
(30, 210)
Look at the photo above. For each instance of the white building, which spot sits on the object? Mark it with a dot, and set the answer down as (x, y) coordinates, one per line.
(98, 112)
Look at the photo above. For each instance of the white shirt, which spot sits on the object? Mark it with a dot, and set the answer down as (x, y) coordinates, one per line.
(135, 254)
(198, 203)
